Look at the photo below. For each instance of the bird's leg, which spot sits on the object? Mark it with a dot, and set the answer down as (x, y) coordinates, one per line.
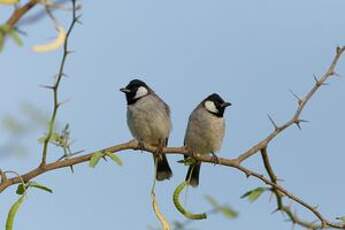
(215, 158)
(141, 145)
(159, 149)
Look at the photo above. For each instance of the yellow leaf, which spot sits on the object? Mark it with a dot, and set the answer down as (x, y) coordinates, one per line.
(9, 2)
(55, 44)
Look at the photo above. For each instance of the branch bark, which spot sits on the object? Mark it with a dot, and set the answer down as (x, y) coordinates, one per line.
(20, 12)
(235, 163)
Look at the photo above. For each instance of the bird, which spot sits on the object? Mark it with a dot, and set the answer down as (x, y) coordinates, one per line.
(205, 132)
(148, 119)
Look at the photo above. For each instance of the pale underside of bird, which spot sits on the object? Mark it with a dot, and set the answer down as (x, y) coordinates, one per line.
(205, 132)
(148, 119)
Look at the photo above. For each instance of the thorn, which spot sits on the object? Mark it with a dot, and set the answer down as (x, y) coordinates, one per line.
(65, 101)
(298, 124)
(47, 87)
(275, 210)
(304, 121)
(64, 75)
(298, 98)
(70, 52)
(273, 123)
(317, 82)
(77, 19)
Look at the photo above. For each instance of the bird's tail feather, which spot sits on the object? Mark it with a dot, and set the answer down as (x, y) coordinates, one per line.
(163, 168)
(193, 173)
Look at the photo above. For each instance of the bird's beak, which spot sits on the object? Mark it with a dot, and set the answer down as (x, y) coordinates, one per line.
(226, 104)
(125, 90)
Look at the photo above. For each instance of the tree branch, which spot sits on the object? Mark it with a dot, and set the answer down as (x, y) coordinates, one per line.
(20, 12)
(295, 119)
(261, 146)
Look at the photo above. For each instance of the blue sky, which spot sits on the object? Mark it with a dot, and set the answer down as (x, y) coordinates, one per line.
(250, 52)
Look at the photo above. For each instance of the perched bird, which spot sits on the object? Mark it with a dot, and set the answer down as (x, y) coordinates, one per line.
(148, 119)
(205, 132)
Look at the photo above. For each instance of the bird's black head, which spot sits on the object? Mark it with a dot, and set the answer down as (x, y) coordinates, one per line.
(215, 104)
(135, 90)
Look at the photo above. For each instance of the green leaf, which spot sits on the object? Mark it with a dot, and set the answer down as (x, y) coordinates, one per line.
(115, 158)
(40, 186)
(95, 159)
(187, 161)
(228, 212)
(2, 41)
(20, 189)
(42, 139)
(254, 194)
(212, 201)
(12, 213)
(55, 137)
(179, 206)
(15, 36)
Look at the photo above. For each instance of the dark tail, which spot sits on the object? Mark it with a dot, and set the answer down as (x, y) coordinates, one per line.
(163, 168)
(193, 173)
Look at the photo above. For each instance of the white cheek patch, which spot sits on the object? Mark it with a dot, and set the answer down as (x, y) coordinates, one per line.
(141, 91)
(210, 106)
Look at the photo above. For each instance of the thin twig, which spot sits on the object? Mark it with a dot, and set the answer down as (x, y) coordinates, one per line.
(295, 119)
(134, 145)
(55, 88)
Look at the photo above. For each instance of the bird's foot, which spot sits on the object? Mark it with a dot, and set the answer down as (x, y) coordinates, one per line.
(215, 159)
(141, 146)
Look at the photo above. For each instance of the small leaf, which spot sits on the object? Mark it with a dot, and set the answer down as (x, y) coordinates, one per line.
(20, 189)
(212, 201)
(39, 186)
(53, 45)
(55, 137)
(115, 158)
(12, 213)
(2, 40)
(95, 159)
(42, 139)
(15, 36)
(9, 2)
(254, 194)
(187, 161)
(228, 212)
(179, 206)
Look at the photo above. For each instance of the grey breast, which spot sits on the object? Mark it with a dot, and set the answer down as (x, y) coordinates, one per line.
(205, 131)
(149, 120)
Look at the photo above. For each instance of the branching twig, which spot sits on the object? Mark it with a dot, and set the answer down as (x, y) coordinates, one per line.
(55, 87)
(295, 119)
(133, 145)
(261, 146)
